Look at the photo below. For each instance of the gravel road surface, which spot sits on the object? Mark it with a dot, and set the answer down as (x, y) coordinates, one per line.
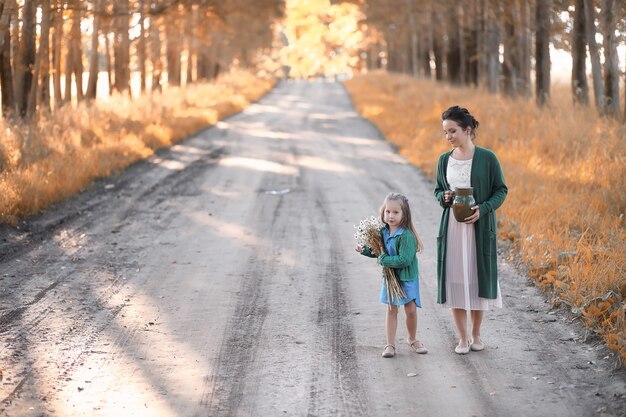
(219, 278)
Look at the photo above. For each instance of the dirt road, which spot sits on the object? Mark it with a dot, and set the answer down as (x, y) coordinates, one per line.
(219, 279)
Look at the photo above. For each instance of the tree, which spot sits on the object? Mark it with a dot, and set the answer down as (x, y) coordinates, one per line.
(580, 90)
(542, 51)
(594, 55)
(57, 43)
(492, 47)
(6, 72)
(510, 66)
(26, 57)
(92, 83)
(611, 63)
(121, 46)
(39, 79)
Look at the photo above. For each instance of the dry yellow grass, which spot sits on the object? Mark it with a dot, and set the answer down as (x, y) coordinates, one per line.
(565, 170)
(68, 149)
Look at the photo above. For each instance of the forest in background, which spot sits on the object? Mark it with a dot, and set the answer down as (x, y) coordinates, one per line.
(54, 51)
(88, 87)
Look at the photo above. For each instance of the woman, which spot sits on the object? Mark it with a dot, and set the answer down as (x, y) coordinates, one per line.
(467, 275)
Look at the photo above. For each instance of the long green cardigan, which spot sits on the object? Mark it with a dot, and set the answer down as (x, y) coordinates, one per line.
(490, 191)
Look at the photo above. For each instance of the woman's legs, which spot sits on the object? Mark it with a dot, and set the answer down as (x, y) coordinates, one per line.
(460, 319)
(410, 310)
(477, 319)
(392, 324)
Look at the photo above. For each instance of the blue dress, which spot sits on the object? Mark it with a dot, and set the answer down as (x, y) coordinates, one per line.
(411, 288)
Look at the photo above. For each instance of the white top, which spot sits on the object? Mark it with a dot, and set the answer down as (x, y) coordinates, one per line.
(459, 173)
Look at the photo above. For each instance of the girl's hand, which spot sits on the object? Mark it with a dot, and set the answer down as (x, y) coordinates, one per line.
(358, 249)
(448, 196)
(474, 217)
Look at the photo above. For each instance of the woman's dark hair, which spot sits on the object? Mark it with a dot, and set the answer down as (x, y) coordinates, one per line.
(462, 117)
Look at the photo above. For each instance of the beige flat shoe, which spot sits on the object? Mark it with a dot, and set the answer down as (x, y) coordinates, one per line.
(477, 346)
(417, 346)
(389, 351)
(462, 350)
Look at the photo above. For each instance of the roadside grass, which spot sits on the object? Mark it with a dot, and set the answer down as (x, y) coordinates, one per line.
(61, 153)
(565, 168)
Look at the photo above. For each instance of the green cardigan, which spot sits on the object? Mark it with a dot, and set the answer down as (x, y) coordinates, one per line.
(405, 262)
(490, 191)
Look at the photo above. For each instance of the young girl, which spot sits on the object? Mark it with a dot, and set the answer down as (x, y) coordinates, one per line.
(402, 243)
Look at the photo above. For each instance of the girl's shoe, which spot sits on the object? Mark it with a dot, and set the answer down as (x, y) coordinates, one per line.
(389, 351)
(417, 346)
(462, 350)
(477, 346)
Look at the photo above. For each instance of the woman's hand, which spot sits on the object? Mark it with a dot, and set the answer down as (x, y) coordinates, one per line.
(474, 217)
(358, 249)
(448, 196)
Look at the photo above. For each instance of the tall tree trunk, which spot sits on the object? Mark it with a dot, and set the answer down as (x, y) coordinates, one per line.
(141, 46)
(42, 57)
(611, 62)
(190, 41)
(57, 44)
(155, 54)
(78, 55)
(594, 55)
(92, 83)
(74, 59)
(438, 52)
(8, 9)
(492, 49)
(524, 47)
(509, 64)
(6, 71)
(428, 46)
(542, 52)
(107, 61)
(580, 89)
(481, 58)
(43, 95)
(453, 56)
(462, 48)
(27, 49)
(415, 53)
(173, 41)
(472, 55)
(17, 55)
(121, 46)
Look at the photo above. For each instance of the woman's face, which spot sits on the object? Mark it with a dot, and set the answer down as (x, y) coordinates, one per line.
(455, 134)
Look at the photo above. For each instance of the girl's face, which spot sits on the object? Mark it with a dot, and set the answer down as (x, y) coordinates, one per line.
(455, 134)
(393, 213)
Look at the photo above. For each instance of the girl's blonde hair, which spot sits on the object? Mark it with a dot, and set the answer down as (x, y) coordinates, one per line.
(406, 222)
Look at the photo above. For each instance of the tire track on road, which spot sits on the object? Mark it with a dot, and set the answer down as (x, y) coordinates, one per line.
(335, 327)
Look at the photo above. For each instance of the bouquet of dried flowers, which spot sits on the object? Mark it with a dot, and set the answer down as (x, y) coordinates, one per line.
(368, 235)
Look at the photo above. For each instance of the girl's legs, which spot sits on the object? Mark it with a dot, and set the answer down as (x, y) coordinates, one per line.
(410, 309)
(392, 324)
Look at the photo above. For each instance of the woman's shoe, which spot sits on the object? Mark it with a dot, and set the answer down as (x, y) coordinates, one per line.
(417, 346)
(462, 350)
(389, 351)
(477, 346)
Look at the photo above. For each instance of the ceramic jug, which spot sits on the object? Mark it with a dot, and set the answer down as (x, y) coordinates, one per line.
(462, 203)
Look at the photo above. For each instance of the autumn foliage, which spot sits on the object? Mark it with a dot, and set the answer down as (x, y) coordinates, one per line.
(565, 170)
(64, 152)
